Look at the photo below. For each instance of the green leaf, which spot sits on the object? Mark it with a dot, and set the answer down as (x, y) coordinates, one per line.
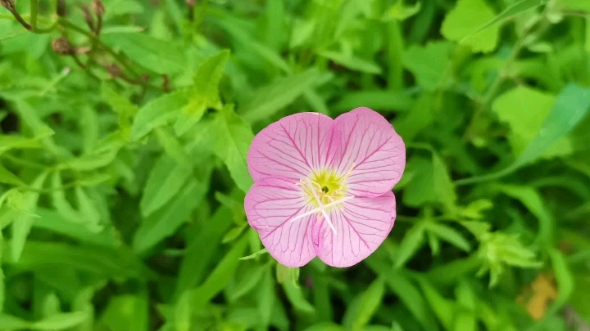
(165, 180)
(266, 297)
(268, 100)
(429, 64)
(126, 312)
(7, 177)
(204, 92)
(443, 308)
(97, 260)
(231, 138)
(432, 185)
(370, 301)
(399, 11)
(564, 278)
(352, 62)
(572, 104)
(512, 10)
(449, 234)
(218, 278)
(465, 18)
(22, 223)
(246, 282)
(61, 321)
(158, 112)
(160, 56)
(533, 201)
(9, 322)
(297, 298)
(410, 244)
(165, 221)
(380, 100)
(198, 254)
(526, 110)
(173, 147)
(287, 275)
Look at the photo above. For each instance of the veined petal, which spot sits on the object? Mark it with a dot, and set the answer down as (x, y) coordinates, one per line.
(361, 227)
(292, 147)
(270, 206)
(372, 149)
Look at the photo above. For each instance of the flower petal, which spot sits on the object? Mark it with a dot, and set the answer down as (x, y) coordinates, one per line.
(291, 147)
(371, 145)
(361, 227)
(270, 205)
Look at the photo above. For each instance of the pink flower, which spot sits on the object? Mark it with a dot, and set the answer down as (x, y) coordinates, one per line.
(323, 187)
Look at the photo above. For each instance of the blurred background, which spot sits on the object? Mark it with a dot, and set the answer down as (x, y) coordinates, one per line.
(124, 130)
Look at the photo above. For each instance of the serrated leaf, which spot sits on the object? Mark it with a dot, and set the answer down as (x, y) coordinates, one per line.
(158, 112)
(231, 141)
(205, 92)
(466, 17)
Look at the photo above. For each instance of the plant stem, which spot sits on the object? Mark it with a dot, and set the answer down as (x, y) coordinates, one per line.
(34, 10)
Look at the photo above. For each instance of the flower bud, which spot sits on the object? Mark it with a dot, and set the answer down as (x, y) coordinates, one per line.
(8, 4)
(98, 7)
(62, 46)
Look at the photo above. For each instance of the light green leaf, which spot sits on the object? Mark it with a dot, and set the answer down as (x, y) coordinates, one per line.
(9, 322)
(512, 10)
(297, 298)
(442, 307)
(429, 64)
(204, 92)
(22, 223)
(287, 275)
(61, 321)
(449, 234)
(567, 111)
(382, 100)
(266, 297)
(526, 110)
(466, 17)
(246, 282)
(165, 221)
(231, 138)
(164, 181)
(352, 62)
(218, 278)
(399, 11)
(533, 201)
(7, 177)
(158, 112)
(432, 185)
(370, 301)
(126, 312)
(268, 100)
(564, 278)
(160, 56)
(198, 254)
(412, 241)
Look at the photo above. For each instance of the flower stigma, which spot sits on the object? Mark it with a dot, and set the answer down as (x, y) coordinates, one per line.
(325, 189)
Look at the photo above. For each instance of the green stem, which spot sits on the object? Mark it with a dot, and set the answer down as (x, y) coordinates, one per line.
(34, 10)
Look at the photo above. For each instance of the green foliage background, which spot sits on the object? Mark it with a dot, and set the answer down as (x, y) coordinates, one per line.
(123, 172)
